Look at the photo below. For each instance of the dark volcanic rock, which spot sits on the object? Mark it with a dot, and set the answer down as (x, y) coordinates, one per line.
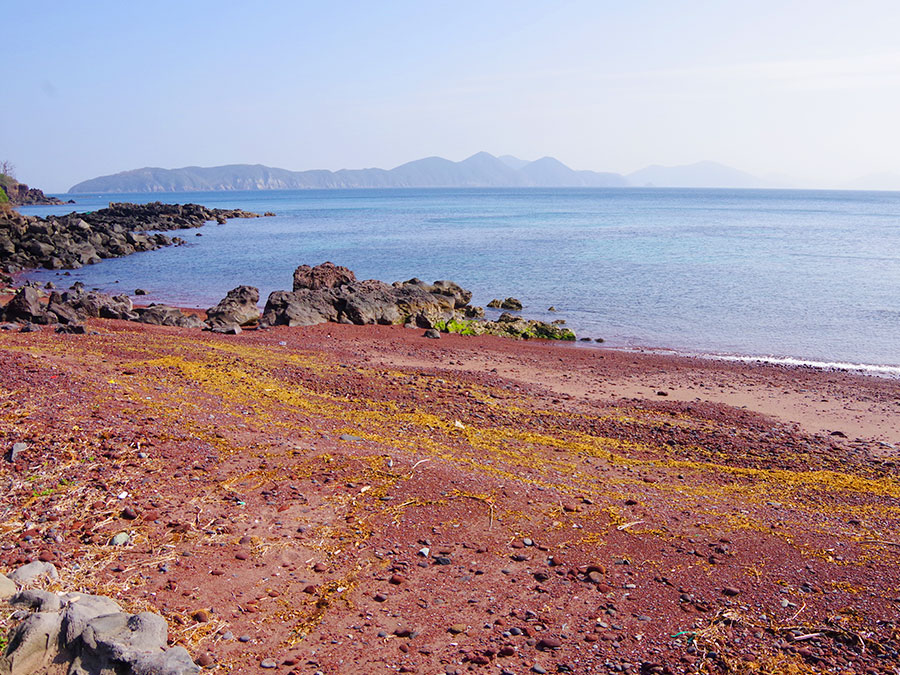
(237, 308)
(164, 315)
(300, 308)
(326, 275)
(74, 240)
(26, 306)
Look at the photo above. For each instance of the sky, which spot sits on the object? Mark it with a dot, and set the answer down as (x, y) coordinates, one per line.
(805, 91)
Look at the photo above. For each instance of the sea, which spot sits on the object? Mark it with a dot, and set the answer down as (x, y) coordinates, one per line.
(792, 276)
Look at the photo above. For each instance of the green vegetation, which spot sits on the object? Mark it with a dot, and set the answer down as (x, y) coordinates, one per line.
(461, 327)
(3, 198)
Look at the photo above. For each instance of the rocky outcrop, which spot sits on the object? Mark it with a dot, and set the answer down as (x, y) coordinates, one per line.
(237, 308)
(328, 293)
(77, 239)
(331, 293)
(326, 275)
(20, 194)
(83, 634)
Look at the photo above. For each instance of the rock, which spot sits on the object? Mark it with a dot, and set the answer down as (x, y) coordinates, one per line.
(123, 637)
(302, 307)
(324, 276)
(228, 329)
(16, 450)
(510, 303)
(7, 587)
(80, 609)
(432, 334)
(120, 539)
(238, 307)
(268, 663)
(33, 644)
(731, 591)
(351, 438)
(27, 306)
(548, 644)
(140, 291)
(173, 661)
(37, 599)
(457, 628)
(33, 571)
(164, 315)
(460, 295)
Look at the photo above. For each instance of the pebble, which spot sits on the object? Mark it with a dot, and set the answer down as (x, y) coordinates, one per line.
(205, 660)
(457, 628)
(731, 591)
(120, 539)
(244, 638)
(548, 643)
(441, 560)
(350, 437)
(17, 449)
(268, 663)
(201, 615)
(241, 555)
(536, 668)
(397, 579)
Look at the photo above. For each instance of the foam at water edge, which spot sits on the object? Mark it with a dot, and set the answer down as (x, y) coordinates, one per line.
(891, 371)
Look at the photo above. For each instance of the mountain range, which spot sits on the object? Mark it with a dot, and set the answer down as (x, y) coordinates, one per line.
(479, 170)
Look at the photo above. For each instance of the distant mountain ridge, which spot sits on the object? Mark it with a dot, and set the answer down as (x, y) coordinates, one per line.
(479, 170)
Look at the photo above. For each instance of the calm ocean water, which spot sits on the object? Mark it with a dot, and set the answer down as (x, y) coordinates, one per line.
(808, 275)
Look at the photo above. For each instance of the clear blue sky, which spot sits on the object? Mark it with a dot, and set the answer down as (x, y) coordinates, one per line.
(807, 89)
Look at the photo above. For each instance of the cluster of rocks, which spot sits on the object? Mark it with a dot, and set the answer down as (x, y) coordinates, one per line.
(330, 293)
(321, 294)
(88, 634)
(77, 239)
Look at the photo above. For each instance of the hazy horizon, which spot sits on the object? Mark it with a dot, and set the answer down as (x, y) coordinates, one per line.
(793, 92)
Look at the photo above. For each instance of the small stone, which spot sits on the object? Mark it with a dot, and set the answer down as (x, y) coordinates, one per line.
(201, 615)
(424, 551)
(528, 542)
(16, 450)
(380, 597)
(129, 513)
(731, 591)
(268, 663)
(205, 660)
(432, 333)
(140, 291)
(241, 555)
(244, 638)
(120, 539)
(350, 437)
(442, 560)
(320, 567)
(548, 644)
(397, 579)
(536, 668)
(457, 628)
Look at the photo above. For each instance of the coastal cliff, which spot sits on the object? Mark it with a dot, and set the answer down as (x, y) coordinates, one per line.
(19, 194)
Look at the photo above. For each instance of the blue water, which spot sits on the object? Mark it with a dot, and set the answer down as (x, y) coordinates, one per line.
(811, 275)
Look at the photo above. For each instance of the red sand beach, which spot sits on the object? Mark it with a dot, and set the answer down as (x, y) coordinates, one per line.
(346, 499)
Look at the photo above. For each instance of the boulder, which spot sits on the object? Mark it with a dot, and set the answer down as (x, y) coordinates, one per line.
(123, 637)
(164, 315)
(324, 276)
(237, 308)
(302, 307)
(7, 587)
(33, 644)
(37, 599)
(509, 303)
(375, 302)
(81, 609)
(460, 295)
(26, 306)
(33, 571)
